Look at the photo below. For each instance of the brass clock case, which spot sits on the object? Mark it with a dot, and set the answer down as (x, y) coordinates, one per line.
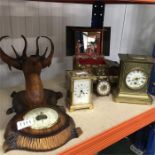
(140, 66)
(79, 90)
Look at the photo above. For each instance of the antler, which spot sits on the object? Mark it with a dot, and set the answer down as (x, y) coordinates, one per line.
(47, 61)
(25, 47)
(9, 60)
(37, 46)
(19, 60)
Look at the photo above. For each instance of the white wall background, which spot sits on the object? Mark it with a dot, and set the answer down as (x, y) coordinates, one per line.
(133, 31)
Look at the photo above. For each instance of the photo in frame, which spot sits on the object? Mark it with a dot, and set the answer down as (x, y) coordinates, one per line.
(86, 40)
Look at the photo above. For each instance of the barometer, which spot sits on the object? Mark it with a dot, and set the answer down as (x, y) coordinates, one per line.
(39, 124)
(42, 118)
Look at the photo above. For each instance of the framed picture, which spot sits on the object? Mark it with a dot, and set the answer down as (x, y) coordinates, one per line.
(87, 41)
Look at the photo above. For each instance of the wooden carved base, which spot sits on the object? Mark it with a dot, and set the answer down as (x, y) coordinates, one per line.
(43, 139)
(40, 140)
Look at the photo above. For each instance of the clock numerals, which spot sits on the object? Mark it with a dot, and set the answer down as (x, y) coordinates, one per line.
(136, 79)
(81, 91)
(103, 88)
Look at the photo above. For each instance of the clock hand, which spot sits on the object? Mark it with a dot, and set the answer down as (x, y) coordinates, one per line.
(81, 92)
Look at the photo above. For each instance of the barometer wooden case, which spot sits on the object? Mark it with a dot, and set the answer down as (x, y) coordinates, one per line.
(38, 124)
(134, 78)
(79, 90)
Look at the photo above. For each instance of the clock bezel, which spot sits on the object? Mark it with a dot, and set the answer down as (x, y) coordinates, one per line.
(99, 91)
(133, 69)
(34, 128)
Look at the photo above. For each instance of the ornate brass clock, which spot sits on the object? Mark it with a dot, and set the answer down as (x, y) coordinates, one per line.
(134, 77)
(38, 124)
(79, 90)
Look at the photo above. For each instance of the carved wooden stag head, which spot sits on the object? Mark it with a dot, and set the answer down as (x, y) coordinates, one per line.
(31, 67)
(22, 62)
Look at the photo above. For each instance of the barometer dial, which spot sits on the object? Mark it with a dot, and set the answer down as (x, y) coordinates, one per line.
(42, 117)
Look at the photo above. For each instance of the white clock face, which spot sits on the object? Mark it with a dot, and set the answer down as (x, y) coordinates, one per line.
(136, 79)
(81, 91)
(103, 88)
(43, 117)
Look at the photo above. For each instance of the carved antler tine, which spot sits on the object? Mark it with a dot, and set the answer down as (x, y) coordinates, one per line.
(7, 59)
(52, 45)
(47, 61)
(25, 47)
(3, 37)
(17, 55)
(37, 45)
(45, 52)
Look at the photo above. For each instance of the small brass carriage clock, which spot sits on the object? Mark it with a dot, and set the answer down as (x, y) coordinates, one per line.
(79, 90)
(134, 77)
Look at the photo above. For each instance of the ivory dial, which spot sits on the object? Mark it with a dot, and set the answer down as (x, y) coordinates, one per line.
(82, 91)
(136, 79)
(103, 88)
(43, 117)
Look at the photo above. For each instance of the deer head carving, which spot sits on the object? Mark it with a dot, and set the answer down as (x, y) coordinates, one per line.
(31, 67)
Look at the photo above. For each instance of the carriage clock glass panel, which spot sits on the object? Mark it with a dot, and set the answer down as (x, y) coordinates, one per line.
(81, 92)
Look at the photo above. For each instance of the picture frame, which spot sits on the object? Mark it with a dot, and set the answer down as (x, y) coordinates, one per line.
(75, 34)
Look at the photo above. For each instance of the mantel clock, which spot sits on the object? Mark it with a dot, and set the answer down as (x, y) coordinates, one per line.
(79, 90)
(134, 78)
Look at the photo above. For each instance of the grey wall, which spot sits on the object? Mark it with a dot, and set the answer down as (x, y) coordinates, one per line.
(132, 31)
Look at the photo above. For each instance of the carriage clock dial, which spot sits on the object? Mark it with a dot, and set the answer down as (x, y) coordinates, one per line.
(42, 117)
(79, 90)
(103, 88)
(134, 78)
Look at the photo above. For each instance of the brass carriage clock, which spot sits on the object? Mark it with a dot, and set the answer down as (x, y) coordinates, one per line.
(134, 77)
(79, 90)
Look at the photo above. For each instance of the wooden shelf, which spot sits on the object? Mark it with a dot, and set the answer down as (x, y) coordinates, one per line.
(102, 126)
(104, 1)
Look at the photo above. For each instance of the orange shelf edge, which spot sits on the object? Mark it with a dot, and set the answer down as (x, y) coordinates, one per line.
(104, 1)
(109, 137)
